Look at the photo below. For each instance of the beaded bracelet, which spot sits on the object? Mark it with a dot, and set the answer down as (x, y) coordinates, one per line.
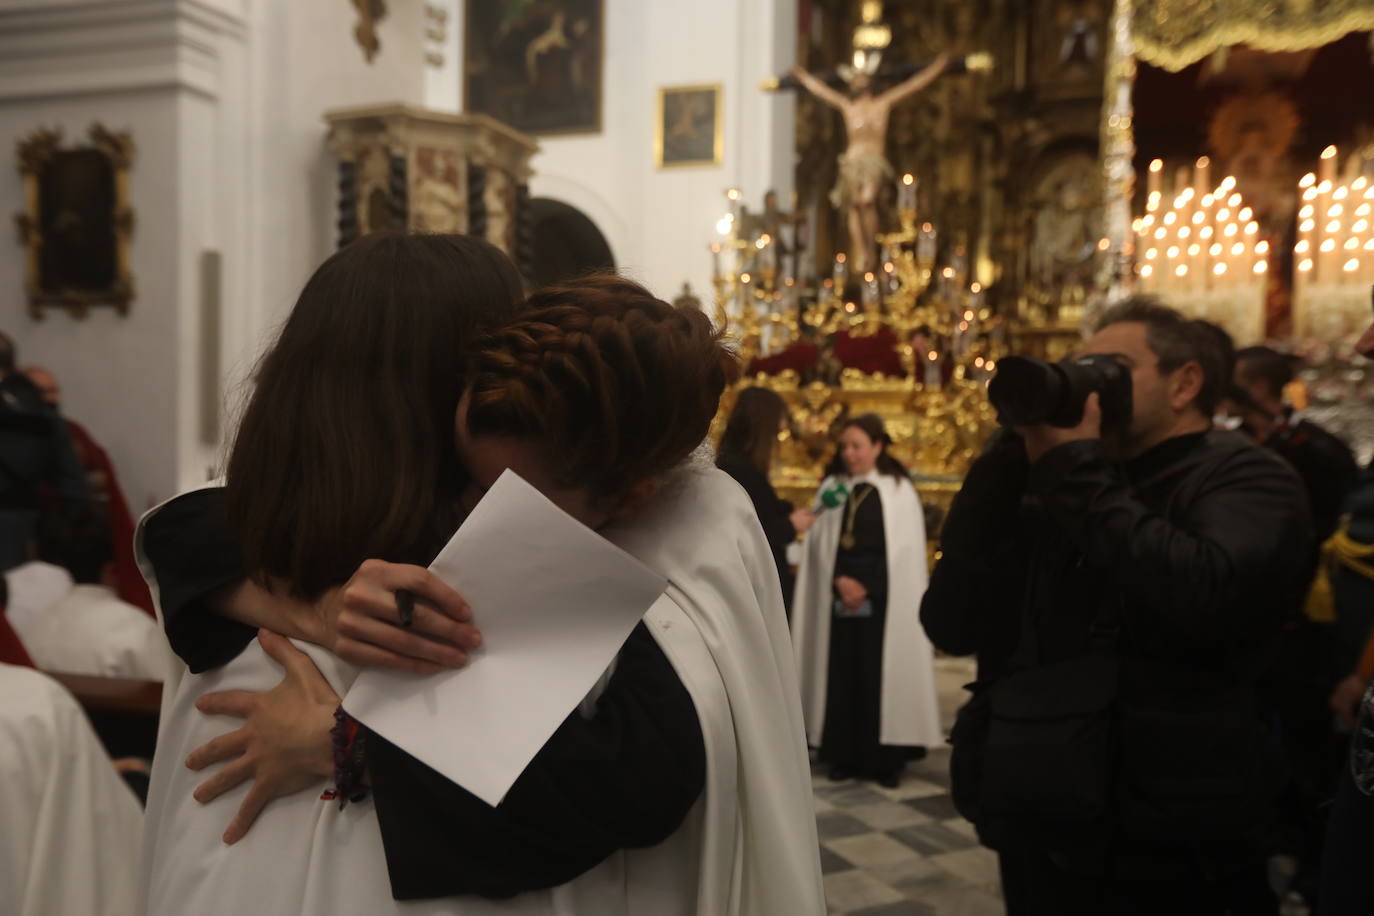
(349, 759)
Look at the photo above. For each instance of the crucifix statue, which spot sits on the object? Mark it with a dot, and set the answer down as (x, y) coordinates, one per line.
(863, 164)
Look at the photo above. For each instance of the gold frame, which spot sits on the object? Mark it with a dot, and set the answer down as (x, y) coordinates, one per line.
(718, 140)
(34, 153)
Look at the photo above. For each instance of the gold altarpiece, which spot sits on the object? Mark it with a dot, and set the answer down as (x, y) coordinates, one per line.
(994, 250)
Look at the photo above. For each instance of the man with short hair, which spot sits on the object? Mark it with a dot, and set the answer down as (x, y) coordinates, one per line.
(1324, 462)
(1171, 550)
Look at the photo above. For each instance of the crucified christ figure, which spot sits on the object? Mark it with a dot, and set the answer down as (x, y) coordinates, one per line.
(863, 165)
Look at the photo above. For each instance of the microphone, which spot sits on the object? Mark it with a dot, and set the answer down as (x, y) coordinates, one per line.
(832, 497)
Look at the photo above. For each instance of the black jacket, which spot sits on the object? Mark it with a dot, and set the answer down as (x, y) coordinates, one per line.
(984, 557)
(1199, 547)
(1326, 466)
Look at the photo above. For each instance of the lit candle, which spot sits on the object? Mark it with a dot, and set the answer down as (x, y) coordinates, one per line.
(736, 200)
(1156, 176)
(906, 193)
(840, 273)
(1201, 173)
(1328, 164)
(870, 290)
(947, 284)
(926, 244)
(932, 373)
(768, 252)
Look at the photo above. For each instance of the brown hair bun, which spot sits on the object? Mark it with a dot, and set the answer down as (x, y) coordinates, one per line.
(618, 385)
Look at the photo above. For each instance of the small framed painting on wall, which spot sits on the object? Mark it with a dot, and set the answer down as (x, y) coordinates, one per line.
(688, 130)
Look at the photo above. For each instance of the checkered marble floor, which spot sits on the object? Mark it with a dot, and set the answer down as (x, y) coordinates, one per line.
(905, 851)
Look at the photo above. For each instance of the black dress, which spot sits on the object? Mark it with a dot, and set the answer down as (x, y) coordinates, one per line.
(625, 778)
(854, 680)
(775, 515)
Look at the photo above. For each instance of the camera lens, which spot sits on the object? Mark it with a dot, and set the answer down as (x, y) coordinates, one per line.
(1025, 391)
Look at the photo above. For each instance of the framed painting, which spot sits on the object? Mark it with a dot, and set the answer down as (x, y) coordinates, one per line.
(535, 64)
(77, 222)
(687, 130)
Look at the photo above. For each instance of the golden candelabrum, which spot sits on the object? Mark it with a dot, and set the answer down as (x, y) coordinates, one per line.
(923, 306)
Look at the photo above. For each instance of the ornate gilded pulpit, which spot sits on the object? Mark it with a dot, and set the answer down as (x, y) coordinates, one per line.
(403, 168)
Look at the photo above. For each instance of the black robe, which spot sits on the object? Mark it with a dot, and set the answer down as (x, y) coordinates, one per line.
(625, 778)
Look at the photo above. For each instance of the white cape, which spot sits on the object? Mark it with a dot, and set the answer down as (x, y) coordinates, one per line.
(748, 846)
(910, 712)
(69, 826)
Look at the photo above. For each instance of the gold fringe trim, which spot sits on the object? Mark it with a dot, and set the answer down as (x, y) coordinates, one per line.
(1171, 42)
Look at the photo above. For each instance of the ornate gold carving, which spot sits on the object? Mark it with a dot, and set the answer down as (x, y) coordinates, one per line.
(77, 223)
(370, 12)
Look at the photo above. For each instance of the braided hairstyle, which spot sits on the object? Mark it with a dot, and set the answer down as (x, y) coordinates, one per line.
(617, 385)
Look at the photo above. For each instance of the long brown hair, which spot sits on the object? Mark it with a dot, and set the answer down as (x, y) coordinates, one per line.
(346, 450)
(617, 385)
(752, 429)
(871, 425)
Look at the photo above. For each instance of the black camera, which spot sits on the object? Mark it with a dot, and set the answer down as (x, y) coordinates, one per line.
(1028, 391)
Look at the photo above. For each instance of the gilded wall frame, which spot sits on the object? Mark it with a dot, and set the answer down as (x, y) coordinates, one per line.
(689, 127)
(77, 223)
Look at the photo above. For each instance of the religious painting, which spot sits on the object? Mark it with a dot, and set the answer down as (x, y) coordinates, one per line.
(77, 222)
(688, 129)
(535, 64)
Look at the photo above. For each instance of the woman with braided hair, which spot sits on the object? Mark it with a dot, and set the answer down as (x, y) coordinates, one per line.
(682, 788)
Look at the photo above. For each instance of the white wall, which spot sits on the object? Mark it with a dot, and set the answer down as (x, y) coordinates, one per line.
(153, 69)
(224, 99)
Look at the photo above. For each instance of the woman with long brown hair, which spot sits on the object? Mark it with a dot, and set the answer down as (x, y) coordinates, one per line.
(746, 454)
(593, 392)
(866, 666)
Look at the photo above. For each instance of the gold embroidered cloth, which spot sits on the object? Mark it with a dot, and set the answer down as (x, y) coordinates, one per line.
(1175, 33)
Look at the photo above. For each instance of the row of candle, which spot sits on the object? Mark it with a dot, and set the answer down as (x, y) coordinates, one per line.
(1335, 243)
(1205, 239)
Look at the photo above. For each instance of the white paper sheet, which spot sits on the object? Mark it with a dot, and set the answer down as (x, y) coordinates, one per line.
(554, 600)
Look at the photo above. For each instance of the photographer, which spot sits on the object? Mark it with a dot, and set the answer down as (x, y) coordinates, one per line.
(1124, 598)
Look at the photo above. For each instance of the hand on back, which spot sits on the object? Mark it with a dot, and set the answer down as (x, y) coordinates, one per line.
(284, 745)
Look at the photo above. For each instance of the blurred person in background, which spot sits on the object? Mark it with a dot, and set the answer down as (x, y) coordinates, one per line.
(105, 490)
(746, 454)
(867, 670)
(35, 450)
